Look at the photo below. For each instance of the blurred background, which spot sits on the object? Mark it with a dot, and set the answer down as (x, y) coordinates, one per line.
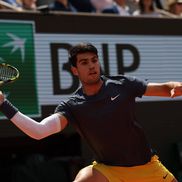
(141, 38)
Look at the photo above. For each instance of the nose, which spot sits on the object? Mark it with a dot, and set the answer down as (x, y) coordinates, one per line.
(91, 65)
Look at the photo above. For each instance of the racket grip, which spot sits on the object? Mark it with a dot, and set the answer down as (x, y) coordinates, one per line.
(8, 109)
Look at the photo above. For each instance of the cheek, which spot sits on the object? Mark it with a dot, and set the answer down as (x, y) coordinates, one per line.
(82, 76)
(81, 73)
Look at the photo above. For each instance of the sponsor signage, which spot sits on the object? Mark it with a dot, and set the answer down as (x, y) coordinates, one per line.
(45, 76)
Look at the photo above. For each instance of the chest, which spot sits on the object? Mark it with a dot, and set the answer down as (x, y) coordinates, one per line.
(113, 106)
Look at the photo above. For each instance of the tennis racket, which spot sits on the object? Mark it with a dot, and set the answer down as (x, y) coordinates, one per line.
(8, 73)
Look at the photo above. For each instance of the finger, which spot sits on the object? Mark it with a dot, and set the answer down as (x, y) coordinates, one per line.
(172, 92)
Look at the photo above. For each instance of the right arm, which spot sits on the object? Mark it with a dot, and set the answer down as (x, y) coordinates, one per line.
(37, 130)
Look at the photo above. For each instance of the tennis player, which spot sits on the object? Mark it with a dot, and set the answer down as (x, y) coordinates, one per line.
(102, 112)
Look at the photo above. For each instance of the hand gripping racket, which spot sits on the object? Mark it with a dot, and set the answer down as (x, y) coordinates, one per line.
(8, 73)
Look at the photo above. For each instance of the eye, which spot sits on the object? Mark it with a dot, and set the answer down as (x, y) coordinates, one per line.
(95, 60)
(84, 63)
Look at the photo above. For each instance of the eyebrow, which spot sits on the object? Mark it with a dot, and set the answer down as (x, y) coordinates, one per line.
(85, 59)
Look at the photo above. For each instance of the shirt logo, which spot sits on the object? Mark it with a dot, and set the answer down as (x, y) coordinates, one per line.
(113, 98)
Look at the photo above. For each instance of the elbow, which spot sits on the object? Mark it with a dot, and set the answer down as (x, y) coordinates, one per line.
(37, 136)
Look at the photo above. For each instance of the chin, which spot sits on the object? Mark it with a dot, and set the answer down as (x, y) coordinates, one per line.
(94, 81)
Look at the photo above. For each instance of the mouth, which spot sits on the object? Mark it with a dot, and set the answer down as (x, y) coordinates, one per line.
(93, 73)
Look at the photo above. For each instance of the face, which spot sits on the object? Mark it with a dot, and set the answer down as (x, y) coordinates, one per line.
(30, 4)
(97, 4)
(120, 2)
(147, 2)
(88, 68)
(178, 8)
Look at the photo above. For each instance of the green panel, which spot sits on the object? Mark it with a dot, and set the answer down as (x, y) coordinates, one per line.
(17, 49)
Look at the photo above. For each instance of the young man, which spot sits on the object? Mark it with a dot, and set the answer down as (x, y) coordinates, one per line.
(102, 111)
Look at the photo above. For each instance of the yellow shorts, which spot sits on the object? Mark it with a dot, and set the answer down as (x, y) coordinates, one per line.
(153, 171)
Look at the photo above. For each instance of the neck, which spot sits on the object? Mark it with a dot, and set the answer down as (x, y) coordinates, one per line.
(92, 89)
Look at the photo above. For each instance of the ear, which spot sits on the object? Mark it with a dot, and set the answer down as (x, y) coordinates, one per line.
(74, 70)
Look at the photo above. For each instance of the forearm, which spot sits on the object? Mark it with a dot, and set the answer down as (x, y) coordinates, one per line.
(167, 89)
(34, 129)
(37, 130)
(174, 89)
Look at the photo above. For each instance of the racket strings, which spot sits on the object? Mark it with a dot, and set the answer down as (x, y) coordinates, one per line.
(7, 73)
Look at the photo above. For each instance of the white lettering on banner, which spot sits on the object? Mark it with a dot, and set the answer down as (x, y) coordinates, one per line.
(155, 58)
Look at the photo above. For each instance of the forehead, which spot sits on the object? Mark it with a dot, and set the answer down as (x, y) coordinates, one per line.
(86, 55)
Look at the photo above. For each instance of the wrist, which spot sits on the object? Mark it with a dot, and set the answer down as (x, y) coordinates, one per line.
(8, 109)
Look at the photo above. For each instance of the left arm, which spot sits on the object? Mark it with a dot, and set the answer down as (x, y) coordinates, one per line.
(167, 89)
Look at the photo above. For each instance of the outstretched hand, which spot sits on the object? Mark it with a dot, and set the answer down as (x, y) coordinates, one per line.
(176, 91)
(1, 97)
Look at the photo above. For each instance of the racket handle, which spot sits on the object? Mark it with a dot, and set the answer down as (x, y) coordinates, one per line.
(8, 109)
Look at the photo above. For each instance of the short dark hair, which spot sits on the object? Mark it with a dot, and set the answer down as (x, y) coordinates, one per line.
(80, 48)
